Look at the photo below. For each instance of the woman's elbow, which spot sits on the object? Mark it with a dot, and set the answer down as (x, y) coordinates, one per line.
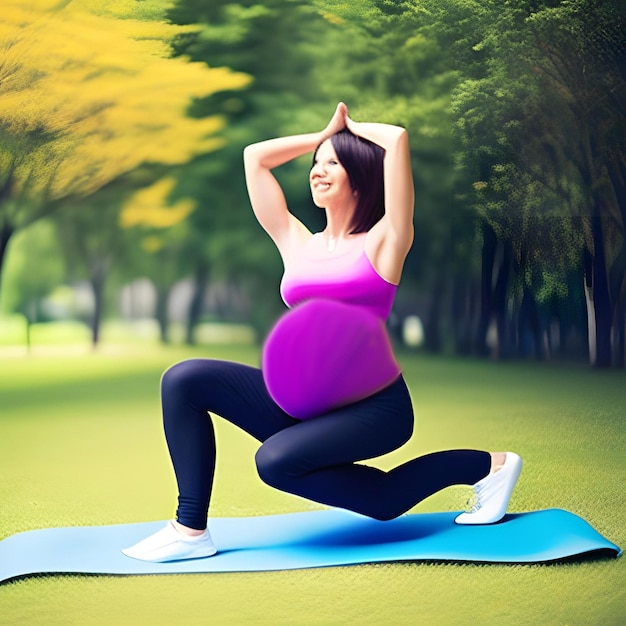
(248, 153)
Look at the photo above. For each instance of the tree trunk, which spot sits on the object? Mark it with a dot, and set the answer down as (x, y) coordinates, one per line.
(6, 232)
(618, 291)
(591, 314)
(617, 273)
(28, 334)
(527, 326)
(201, 279)
(464, 307)
(432, 324)
(160, 313)
(499, 304)
(601, 297)
(97, 280)
(488, 255)
(619, 336)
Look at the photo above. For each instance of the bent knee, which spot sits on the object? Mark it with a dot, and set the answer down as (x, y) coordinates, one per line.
(274, 467)
(186, 374)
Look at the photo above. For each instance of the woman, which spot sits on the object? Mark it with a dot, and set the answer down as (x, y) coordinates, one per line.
(361, 177)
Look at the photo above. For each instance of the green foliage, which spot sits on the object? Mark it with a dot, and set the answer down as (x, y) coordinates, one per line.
(514, 110)
(76, 116)
(88, 94)
(34, 269)
(539, 132)
(223, 237)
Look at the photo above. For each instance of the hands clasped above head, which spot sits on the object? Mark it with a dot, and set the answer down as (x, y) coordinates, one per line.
(338, 121)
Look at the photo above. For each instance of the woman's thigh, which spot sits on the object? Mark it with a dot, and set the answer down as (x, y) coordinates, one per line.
(231, 390)
(363, 430)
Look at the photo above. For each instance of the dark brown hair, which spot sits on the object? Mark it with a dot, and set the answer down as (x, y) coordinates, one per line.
(363, 162)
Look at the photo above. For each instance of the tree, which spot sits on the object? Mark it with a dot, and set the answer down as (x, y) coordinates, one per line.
(161, 236)
(535, 91)
(542, 134)
(583, 64)
(35, 268)
(399, 63)
(274, 43)
(88, 93)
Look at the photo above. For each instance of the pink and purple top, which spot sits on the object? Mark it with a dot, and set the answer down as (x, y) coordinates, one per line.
(348, 277)
(331, 348)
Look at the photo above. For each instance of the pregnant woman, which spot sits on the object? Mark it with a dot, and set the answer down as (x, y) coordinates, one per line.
(329, 392)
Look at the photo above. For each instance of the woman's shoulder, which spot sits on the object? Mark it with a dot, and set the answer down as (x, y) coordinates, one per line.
(385, 252)
(300, 239)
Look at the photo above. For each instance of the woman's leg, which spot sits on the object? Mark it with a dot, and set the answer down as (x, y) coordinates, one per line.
(316, 458)
(189, 391)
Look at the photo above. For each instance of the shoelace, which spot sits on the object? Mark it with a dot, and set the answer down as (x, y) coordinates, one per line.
(482, 490)
(473, 503)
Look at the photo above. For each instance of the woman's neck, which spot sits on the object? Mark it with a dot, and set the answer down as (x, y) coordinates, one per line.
(335, 243)
(338, 225)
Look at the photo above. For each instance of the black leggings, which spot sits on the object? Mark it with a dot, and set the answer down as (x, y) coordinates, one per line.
(315, 458)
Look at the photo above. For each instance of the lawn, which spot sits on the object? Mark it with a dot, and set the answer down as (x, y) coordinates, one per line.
(81, 444)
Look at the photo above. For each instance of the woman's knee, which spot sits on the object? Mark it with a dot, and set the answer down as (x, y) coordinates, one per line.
(274, 466)
(186, 374)
(191, 383)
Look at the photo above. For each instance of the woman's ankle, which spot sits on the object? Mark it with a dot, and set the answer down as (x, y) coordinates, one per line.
(185, 530)
(497, 461)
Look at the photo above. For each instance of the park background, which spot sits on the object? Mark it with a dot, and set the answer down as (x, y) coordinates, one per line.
(127, 243)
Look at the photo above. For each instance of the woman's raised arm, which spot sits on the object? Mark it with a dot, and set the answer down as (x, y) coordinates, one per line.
(266, 196)
(399, 190)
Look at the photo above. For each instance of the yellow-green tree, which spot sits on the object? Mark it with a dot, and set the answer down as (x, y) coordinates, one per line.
(88, 93)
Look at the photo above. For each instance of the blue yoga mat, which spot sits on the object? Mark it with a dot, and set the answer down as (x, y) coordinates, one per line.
(311, 539)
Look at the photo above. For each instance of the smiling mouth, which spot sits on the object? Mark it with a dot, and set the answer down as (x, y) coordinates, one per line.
(321, 186)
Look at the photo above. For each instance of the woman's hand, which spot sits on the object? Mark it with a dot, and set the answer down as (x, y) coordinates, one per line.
(337, 122)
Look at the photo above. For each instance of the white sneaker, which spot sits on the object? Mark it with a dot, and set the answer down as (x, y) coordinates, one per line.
(493, 493)
(169, 545)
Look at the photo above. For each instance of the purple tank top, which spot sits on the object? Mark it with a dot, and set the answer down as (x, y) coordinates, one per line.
(348, 277)
(331, 348)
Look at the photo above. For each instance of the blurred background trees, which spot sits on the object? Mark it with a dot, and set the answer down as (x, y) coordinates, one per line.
(89, 93)
(130, 135)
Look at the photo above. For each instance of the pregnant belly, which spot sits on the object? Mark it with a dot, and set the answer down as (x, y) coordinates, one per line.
(325, 354)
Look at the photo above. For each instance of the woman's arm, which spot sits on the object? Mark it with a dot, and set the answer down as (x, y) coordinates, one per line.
(390, 240)
(266, 196)
(398, 176)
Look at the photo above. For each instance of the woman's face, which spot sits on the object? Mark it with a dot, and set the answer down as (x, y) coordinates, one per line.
(329, 180)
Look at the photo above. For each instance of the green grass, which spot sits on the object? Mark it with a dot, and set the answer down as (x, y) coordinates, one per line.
(14, 335)
(81, 443)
